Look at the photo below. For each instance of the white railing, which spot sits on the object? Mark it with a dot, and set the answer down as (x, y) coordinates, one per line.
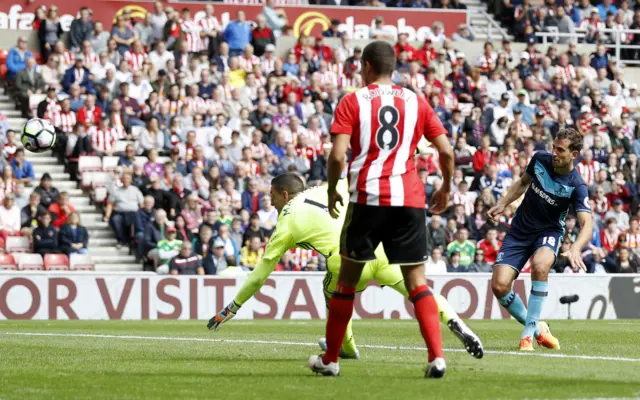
(553, 36)
(493, 28)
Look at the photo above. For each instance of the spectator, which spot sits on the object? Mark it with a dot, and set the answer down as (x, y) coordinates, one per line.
(74, 238)
(275, 19)
(626, 262)
(454, 263)
(254, 230)
(463, 34)
(333, 30)
(80, 75)
(435, 264)
(182, 233)
(203, 246)
(31, 213)
(490, 246)
(166, 250)
(268, 214)
(99, 38)
(61, 210)
(231, 251)
(22, 169)
(48, 193)
(28, 82)
(123, 35)
(17, 58)
(49, 32)
(144, 217)
(463, 247)
(480, 264)
(45, 237)
(10, 219)
(51, 75)
(251, 254)
(237, 34)
(154, 232)
(81, 29)
(121, 209)
(619, 215)
(186, 262)
(219, 259)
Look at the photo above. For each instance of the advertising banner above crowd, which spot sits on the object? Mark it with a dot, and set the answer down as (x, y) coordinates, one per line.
(92, 296)
(308, 20)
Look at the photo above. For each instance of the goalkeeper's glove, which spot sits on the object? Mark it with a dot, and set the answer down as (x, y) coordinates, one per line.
(223, 316)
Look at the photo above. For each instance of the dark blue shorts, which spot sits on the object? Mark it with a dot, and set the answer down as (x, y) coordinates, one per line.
(518, 247)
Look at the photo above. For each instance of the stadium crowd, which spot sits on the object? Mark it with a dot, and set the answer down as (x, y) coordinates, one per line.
(216, 114)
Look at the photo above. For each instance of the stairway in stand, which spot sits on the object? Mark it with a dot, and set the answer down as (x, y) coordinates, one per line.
(102, 241)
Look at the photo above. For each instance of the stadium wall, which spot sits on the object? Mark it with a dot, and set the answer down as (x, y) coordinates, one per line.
(91, 296)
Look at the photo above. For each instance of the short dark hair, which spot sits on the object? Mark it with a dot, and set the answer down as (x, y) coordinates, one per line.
(381, 56)
(574, 138)
(288, 182)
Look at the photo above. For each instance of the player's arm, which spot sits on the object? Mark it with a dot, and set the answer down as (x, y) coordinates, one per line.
(514, 192)
(344, 123)
(280, 242)
(585, 219)
(435, 132)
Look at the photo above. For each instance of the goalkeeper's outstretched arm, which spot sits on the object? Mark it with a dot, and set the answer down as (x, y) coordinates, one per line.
(280, 242)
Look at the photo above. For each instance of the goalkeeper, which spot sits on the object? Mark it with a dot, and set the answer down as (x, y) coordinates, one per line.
(304, 221)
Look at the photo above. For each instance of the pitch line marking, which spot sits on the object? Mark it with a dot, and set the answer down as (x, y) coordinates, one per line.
(288, 343)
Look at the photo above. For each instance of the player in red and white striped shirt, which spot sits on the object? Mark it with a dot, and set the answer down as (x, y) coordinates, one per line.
(383, 124)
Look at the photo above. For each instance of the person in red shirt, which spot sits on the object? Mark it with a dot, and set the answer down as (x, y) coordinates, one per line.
(61, 209)
(426, 53)
(403, 44)
(490, 245)
(482, 156)
(323, 52)
(89, 114)
(609, 235)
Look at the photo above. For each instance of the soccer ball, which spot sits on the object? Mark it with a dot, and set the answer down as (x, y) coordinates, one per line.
(38, 135)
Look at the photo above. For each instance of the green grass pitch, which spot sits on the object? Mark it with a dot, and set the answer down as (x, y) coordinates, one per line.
(267, 360)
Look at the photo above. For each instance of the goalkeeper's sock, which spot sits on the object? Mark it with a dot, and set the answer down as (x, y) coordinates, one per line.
(426, 311)
(539, 291)
(513, 303)
(349, 343)
(340, 311)
(445, 310)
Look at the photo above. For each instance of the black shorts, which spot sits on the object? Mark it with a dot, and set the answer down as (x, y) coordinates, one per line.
(401, 230)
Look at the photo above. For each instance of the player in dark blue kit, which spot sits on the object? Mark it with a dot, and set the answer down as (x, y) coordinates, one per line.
(537, 230)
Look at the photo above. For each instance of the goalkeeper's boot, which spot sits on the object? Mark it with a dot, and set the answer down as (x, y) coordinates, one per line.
(545, 338)
(469, 339)
(436, 368)
(317, 366)
(322, 342)
(526, 344)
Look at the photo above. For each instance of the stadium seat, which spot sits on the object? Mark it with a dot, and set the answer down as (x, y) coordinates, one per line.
(99, 195)
(30, 262)
(18, 244)
(7, 262)
(81, 262)
(56, 262)
(121, 145)
(141, 160)
(109, 163)
(87, 179)
(101, 179)
(89, 163)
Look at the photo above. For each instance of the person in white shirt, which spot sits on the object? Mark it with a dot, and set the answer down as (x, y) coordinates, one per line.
(139, 88)
(222, 130)
(435, 264)
(160, 56)
(615, 100)
(99, 69)
(9, 217)
(268, 214)
(123, 74)
(495, 86)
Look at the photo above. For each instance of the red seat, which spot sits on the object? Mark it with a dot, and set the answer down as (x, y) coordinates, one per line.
(30, 262)
(7, 262)
(56, 262)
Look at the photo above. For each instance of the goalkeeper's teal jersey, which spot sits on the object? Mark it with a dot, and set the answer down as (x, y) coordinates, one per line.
(304, 222)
